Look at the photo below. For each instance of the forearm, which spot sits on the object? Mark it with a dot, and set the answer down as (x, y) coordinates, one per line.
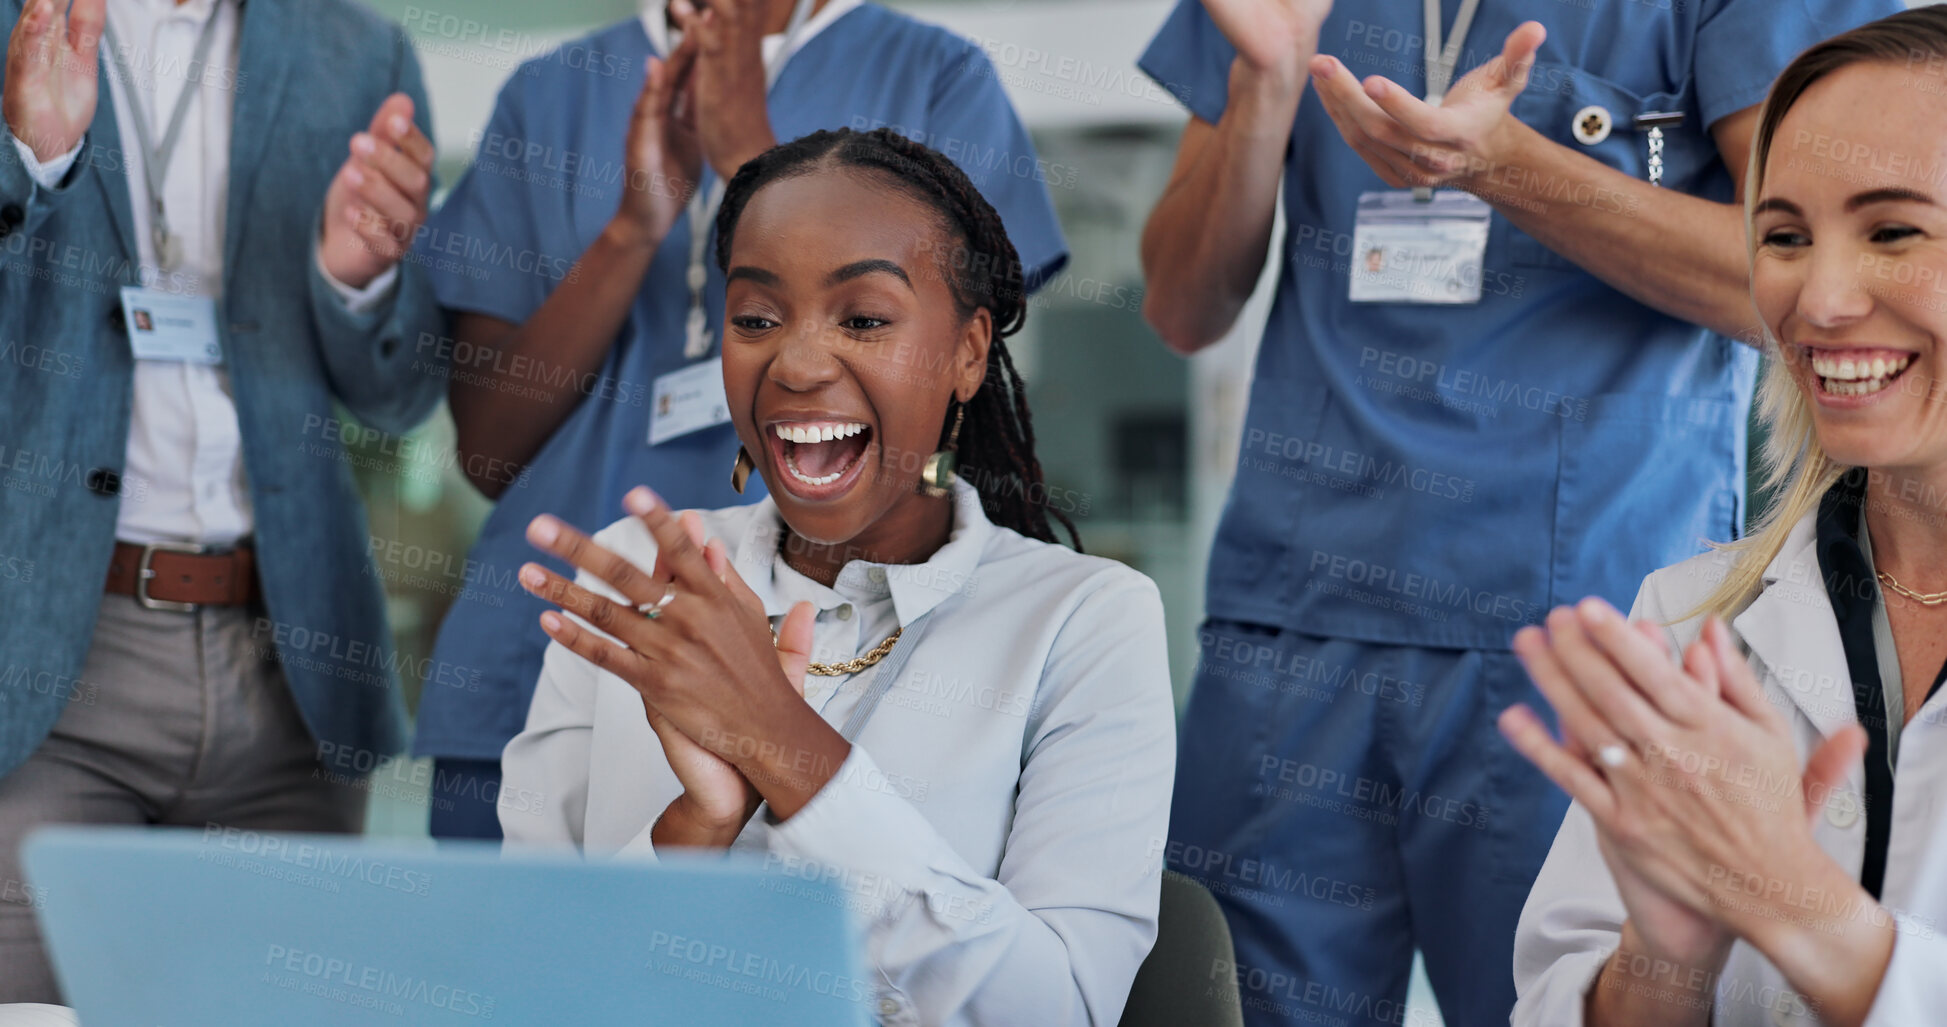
(1206, 241)
(1636, 987)
(509, 406)
(1834, 951)
(789, 760)
(1670, 251)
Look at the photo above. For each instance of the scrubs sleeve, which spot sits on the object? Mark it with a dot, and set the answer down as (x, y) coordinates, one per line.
(484, 248)
(1742, 45)
(1190, 59)
(1043, 942)
(968, 103)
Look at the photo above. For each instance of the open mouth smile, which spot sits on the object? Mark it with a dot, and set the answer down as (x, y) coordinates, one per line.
(821, 459)
(1854, 373)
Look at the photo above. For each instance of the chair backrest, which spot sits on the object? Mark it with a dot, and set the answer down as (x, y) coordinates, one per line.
(1189, 978)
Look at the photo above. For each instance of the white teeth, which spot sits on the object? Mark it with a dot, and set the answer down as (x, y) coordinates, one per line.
(809, 433)
(824, 479)
(1847, 369)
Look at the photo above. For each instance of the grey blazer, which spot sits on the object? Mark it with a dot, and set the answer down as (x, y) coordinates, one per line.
(312, 73)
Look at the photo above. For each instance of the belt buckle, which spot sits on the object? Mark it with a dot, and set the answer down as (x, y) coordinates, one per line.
(143, 572)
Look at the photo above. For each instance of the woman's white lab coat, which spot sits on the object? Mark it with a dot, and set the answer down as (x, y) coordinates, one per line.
(1572, 922)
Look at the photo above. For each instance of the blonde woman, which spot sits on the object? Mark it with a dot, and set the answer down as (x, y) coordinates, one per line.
(1756, 837)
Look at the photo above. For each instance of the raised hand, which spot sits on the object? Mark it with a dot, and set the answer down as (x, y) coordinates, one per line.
(377, 201)
(51, 84)
(1270, 35)
(1412, 143)
(659, 657)
(662, 155)
(732, 117)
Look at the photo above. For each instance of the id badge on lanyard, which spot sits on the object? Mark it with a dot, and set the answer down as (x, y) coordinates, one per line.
(1424, 246)
(1406, 250)
(169, 326)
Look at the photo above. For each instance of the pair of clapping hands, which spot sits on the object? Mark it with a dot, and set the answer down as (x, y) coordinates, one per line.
(1407, 141)
(693, 640)
(1680, 766)
(706, 102)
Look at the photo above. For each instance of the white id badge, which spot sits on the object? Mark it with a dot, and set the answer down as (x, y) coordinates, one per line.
(688, 400)
(171, 326)
(1405, 250)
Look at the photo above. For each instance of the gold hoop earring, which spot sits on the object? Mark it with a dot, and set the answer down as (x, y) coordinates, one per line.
(740, 471)
(937, 477)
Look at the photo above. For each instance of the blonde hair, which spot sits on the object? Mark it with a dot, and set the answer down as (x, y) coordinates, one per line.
(1797, 469)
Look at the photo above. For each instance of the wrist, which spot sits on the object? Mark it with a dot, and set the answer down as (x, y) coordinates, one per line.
(1827, 935)
(1503, 149)
(1706, 957)
(631, 232)
(737, 156)
(792, 761)
(684, 823)
(1270, 93)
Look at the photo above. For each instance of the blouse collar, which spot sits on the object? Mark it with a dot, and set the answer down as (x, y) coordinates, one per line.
(916, 588)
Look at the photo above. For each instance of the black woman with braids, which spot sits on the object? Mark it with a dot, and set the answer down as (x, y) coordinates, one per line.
(886, 668)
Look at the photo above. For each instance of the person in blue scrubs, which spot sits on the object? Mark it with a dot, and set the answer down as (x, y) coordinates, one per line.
(1423, 472)
(565, 255)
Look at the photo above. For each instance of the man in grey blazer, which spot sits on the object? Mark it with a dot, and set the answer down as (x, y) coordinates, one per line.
(203, 206)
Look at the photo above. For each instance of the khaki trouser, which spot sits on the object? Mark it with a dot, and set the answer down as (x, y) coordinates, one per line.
(177, 718)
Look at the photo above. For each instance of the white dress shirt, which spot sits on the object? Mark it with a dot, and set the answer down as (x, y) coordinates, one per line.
(1001, 818)
(1572, 922)
(184, 478)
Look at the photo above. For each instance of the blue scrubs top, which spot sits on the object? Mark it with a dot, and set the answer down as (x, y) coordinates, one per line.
(1441, 475)
(547, 177)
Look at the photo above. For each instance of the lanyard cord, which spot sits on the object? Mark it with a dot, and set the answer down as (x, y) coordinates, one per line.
(155, 159)
(1443, 56)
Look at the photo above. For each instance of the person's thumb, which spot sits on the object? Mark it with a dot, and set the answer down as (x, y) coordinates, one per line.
(1826, 771)
(794, 643)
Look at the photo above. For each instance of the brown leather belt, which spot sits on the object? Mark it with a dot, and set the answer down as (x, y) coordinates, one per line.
(182, 576)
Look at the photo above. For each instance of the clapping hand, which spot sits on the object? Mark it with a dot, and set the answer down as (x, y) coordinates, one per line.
(51, 82)
(377, 201)
(710, 679)
(1410, 142)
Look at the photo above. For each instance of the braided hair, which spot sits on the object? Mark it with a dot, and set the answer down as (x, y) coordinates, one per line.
(996, 445)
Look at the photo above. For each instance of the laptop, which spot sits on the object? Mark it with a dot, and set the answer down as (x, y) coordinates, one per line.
(233, 928)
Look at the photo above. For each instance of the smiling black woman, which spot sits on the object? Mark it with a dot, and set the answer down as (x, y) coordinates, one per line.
(958, 710)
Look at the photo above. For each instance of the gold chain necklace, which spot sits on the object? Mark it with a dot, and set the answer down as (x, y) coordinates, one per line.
(1923, 598)
(854, 665)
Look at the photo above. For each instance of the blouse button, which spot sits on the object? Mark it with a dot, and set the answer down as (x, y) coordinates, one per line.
(878, 575)
(845, 612)
(1842, 810)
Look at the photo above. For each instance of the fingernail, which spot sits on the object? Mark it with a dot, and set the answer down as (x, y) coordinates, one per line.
(640, 500)
(532, 577)
(551, 621)
(362, 145)
(399, 125)
(544, 530)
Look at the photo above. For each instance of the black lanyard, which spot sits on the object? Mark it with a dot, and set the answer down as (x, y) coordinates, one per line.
(1854, 593)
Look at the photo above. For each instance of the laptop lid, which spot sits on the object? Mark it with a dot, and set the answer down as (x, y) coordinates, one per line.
(235, 928)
